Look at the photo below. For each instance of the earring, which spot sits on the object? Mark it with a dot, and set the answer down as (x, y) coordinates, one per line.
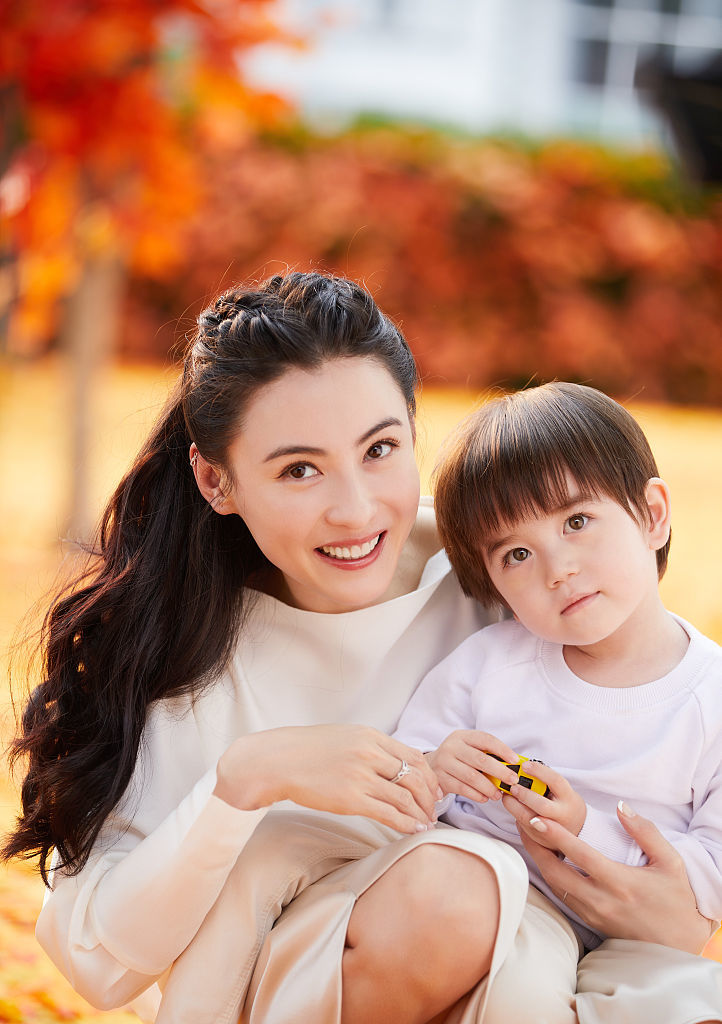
(194, 460)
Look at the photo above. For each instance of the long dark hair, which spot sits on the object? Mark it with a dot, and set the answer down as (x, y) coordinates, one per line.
(158, 611)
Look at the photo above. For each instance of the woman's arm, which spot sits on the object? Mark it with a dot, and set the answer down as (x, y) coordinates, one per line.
(652, 903)
(117, 926)
(114, 928)
(344, 769)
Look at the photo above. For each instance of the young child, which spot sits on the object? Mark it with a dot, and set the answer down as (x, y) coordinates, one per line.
(550, 502)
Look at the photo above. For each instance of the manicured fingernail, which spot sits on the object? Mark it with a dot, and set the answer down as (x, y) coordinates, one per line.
(538, 824)
(625, 809)
(420, 827)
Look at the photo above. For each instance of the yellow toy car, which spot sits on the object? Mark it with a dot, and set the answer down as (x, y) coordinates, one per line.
(525, 780)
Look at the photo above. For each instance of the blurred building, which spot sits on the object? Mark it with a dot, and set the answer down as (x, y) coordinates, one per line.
(534, 66)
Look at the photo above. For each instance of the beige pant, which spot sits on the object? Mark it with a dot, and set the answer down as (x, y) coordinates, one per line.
(627, 982)
(303, 872)
(620, 982)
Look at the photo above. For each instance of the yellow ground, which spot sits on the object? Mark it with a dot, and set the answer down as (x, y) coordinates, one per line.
(34, 417)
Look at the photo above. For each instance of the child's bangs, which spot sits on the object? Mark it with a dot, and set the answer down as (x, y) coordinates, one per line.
(537, 468)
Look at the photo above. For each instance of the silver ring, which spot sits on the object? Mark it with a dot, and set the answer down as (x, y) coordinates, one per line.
(403, 770)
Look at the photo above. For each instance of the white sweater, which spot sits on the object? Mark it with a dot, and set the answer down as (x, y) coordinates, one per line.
(658, 746)
(117, 927)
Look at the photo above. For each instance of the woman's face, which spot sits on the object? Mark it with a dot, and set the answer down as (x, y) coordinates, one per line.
(326, 481)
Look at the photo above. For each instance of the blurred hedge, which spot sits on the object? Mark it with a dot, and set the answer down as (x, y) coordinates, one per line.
(502, 261)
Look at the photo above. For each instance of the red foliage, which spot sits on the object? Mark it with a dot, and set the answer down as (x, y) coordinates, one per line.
(134, 136)
(503, 264)
(107, 103)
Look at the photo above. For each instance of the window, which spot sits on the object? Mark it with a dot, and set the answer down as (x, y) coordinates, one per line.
(590, 61)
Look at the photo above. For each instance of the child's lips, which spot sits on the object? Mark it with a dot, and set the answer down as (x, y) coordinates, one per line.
(579, 602)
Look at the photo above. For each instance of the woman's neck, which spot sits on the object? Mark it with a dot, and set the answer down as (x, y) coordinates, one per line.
(421, 544)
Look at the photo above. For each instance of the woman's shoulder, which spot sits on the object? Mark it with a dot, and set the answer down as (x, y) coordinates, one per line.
(425, 534)
(422, 544)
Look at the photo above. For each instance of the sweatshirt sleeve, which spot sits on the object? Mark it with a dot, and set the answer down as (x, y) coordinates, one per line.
(604, 832)
(162, 859)
(700, 845)
(442, 702)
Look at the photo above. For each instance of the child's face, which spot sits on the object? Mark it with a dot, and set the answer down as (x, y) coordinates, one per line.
(575, 576)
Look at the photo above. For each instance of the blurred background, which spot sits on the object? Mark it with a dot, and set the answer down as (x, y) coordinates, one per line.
(531, 188)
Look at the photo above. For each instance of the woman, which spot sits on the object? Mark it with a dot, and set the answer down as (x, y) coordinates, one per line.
(264, 573)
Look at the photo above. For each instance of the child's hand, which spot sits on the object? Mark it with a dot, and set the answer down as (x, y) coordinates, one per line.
(462, 758)
(563, 804)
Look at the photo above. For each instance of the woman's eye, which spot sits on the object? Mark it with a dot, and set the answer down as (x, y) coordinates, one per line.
(301, 471)
(577, 521)
(380, 449)
(516, 556)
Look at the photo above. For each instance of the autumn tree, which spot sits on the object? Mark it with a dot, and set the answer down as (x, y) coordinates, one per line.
(106, 103)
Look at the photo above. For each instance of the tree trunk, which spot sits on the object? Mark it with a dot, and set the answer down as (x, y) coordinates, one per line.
(89, 336)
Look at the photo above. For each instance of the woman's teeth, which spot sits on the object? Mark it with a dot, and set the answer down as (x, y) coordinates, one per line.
(355, 551)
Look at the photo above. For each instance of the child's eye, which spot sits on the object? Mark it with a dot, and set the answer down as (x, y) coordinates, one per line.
(516, 556)
(577, 521)
(301, 471)
(380, 449)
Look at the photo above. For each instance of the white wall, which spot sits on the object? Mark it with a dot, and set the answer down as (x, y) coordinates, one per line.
(481, 65)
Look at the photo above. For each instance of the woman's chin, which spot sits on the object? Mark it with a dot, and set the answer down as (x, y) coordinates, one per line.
(342, 587)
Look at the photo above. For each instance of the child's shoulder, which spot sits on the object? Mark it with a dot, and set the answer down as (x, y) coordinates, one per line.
(500, 644)
(698, 676)
(699, 642)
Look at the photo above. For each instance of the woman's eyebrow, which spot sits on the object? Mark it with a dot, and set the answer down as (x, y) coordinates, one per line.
(390, 422)
(305, 449)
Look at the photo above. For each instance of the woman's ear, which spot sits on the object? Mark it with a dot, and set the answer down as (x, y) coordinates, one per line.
(660, 512)
(210, 482)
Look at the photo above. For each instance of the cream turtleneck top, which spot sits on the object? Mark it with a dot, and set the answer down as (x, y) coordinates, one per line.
(167, 848)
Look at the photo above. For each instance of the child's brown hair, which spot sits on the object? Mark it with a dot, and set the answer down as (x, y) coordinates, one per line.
(510, 459)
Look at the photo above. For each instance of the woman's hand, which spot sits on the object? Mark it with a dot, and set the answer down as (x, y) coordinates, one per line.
(564, 805)
(346, 769)
(653, 902)
(462, 759)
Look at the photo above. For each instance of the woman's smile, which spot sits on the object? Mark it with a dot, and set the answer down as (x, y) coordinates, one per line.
(353, 554)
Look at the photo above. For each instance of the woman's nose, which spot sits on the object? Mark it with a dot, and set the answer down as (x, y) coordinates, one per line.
(352, 503)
